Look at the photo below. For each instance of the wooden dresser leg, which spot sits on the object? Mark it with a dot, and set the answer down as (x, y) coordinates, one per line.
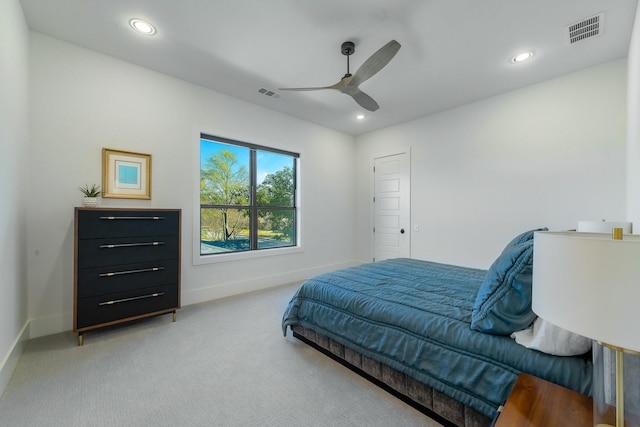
(174, 315)
(80, 339)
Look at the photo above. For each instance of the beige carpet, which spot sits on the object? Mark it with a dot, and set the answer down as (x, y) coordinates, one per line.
(223, 363)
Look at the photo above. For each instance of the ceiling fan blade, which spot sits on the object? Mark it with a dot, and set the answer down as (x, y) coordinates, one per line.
(342, 83)
(375, 63)
(305, 88)
(363, 99)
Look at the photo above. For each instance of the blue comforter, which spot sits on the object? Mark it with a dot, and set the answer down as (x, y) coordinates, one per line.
(415, 316)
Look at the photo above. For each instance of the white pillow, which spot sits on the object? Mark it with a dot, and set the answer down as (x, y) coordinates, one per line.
(551, 339)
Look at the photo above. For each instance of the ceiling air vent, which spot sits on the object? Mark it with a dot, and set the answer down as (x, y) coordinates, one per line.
(585, 29)
(269, 93)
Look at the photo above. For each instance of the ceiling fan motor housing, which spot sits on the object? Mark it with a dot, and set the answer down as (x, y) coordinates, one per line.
(348, 48)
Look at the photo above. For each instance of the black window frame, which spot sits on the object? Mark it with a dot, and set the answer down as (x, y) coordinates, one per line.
(253, 186)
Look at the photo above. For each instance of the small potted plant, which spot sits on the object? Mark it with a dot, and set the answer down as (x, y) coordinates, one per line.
(91, 194)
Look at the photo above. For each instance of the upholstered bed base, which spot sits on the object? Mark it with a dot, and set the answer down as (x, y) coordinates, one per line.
(436, 405)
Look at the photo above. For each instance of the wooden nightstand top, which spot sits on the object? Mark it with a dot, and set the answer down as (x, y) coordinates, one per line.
(535, 402)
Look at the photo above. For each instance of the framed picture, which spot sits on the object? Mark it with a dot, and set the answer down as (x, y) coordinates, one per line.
(126, 175)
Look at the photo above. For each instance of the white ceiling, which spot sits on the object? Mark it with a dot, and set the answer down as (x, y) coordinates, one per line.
(453, 51)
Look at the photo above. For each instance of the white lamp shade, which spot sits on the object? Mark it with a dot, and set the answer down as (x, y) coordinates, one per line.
(589, 284)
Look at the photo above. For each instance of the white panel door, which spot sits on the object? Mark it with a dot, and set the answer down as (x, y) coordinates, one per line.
(391, 201)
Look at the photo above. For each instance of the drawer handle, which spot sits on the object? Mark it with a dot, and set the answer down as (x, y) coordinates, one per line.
(118, 273)
(116, 218)
(118, 301)
(130, 245)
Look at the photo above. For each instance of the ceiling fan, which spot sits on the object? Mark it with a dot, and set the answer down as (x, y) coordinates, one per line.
(349, 83)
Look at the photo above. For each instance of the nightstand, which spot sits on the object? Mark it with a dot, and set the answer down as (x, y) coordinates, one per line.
(535, 402)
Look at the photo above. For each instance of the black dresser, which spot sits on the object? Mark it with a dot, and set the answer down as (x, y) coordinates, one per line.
(127, 265)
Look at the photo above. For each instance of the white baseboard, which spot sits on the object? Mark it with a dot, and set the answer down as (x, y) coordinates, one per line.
(62, 322)
(10, 361)
(49, 325)
(209, 293)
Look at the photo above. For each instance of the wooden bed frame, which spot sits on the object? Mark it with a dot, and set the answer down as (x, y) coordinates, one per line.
(432, 403)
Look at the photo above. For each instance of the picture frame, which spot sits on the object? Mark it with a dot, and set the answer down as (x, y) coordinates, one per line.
(125, 174)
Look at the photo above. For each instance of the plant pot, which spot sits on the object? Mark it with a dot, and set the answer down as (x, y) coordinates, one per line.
(90, 202)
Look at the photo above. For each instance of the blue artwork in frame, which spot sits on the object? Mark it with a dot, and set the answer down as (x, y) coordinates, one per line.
(126, 175)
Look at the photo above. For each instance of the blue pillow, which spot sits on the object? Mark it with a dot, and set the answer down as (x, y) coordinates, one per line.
(503, 303)
(523, 237)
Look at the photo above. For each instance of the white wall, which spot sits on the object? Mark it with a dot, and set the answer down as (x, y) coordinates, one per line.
(633, 128)
(82, 101)
(480, 173)
(14, 166)
(545, 155)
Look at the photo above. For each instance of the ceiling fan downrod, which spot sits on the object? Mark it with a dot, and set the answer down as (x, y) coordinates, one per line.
(348, 48)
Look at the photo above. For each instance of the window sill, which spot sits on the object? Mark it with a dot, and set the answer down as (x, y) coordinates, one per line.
(239, 256)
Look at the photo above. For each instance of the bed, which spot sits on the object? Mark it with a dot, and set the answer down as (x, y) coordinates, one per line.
(436, 335)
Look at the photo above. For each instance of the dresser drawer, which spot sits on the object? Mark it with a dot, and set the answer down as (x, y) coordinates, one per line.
(94, 223)
(120, 278)
(120, 306)
(125, 250)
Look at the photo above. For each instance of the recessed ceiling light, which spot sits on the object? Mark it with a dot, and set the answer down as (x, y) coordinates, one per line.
(522, 57)
(143, 27)
(360, 117)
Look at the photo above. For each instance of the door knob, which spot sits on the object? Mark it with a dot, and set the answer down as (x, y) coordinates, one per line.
(402, 231)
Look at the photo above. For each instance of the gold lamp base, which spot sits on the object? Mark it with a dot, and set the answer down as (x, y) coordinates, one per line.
(617, 235)
(619, 378)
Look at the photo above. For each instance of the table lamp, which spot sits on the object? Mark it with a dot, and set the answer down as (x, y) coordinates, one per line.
(589, 284)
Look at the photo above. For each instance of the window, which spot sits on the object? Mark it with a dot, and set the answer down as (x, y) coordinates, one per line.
(247, 197)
